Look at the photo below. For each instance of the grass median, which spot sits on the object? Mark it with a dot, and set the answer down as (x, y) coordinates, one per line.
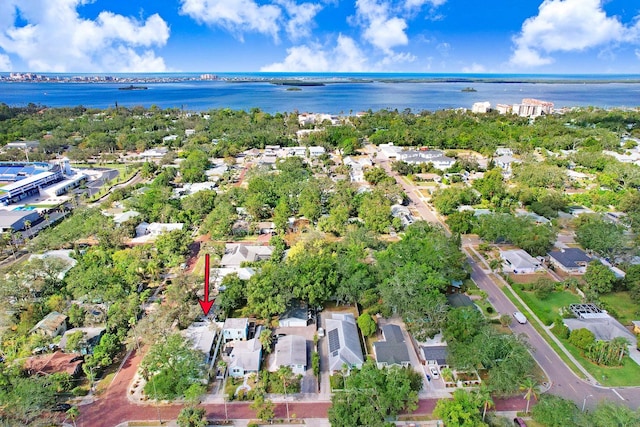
(509, 293)
(611, 376)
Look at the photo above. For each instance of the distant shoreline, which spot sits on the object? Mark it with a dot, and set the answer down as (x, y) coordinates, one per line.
(323, 79)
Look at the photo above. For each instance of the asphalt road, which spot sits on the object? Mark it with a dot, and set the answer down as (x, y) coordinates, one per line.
(113, 407)
(416, 203)
(564, 382)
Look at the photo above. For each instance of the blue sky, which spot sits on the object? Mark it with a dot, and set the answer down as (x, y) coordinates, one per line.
(450, 36)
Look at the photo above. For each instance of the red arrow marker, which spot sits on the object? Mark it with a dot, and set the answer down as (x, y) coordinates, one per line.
(205, 304)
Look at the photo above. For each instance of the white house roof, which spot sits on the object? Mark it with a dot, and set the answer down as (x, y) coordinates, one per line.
(534, 216)
(159, 227)
(506, 159)
(237, 254)
(201, 335)
(344, 342)
(62, 254)
(519, 259)
(236, 323)
(124, 216)
(290, 350)
(246, 355)
(244, 273)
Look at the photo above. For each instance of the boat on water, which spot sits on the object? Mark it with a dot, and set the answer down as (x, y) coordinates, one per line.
(132, 87)
(468, 89)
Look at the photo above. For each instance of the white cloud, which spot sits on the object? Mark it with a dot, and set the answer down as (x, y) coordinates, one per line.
(301, 17)
(5, 63)
(301, 58)
(237, 16)
(443, 48)
(567, 25)
(528, 57)
(56, 38)
(637, 52)
(416, 4)
(346, 56)
(397, 58)
(474, 68)
(381, 30)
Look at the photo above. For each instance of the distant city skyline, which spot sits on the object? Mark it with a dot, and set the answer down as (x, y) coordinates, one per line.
(424, 36)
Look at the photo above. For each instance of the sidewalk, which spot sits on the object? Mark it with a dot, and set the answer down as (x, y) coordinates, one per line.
(590, 379)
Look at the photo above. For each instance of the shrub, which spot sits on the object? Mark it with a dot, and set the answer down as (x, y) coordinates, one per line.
(490, 310)
(79, 391)
(315, 363)
(582, 338)
(336, 381)
(560, 330)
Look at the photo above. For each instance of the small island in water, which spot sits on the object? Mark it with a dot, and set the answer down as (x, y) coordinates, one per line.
(132, 87)
(294, 89)
(468, 89)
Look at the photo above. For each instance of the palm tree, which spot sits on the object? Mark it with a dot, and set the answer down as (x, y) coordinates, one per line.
(609, 413)
(529, 386)
(284, 373)
(27, 226)
(620, 345)
(266, 340)
(483, 394)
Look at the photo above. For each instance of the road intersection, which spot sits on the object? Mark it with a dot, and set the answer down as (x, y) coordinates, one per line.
(563, 381)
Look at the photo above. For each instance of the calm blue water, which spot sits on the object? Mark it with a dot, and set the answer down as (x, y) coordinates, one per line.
(334, 98)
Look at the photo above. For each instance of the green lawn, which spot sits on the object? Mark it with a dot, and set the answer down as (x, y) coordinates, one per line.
(626, 375)
(538, 327)
(548, 309)
(619, 376)
(622, 306)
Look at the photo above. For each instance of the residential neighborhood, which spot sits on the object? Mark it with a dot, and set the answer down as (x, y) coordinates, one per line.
(334, 263)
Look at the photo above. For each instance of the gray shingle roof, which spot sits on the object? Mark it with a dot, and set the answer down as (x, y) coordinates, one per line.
(291, 350)
(344, 342)
(604, 329)
(393, 350)
(570, 257)
(437, 353)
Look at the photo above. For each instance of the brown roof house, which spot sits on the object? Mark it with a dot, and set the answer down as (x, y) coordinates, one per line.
(52, 363)
(52, 325)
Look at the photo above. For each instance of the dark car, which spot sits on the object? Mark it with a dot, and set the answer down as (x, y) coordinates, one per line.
(61, 407)
(519, 422)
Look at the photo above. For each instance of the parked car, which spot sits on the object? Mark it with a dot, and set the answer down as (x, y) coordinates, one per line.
(519, 422)
(520, 317)
(434, 372)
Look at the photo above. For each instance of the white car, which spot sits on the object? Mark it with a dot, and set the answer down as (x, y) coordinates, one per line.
(520, 317)
(434, 372)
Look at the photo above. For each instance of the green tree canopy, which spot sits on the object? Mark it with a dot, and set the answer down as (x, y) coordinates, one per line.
(171, 367)
(371, 395)
(598, 235)
(599, 277)
(461, 411)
